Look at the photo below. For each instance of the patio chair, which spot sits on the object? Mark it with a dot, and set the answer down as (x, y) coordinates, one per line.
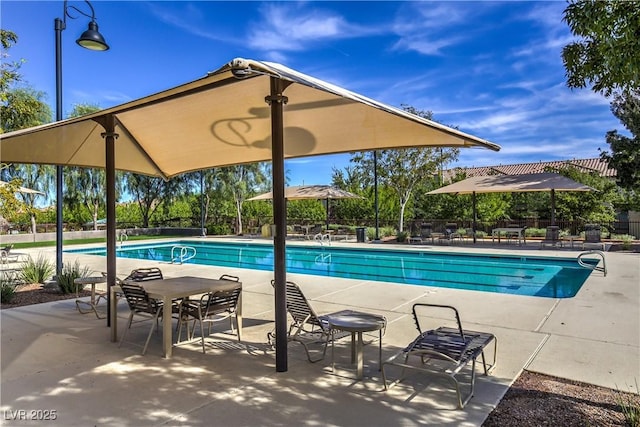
(592, 237)
(136, 275)
(552, 237)
(450, 233)
(140, 304)
(4, 252)
(307, 327)
(211, 307)
(443, 352)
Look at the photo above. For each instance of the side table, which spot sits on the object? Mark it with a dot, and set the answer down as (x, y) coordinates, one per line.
(356, 323)
(93, 303)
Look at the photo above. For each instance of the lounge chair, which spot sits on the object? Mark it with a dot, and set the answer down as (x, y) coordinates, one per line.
(4, 252)
(307, 327)
(552, 237)
(211, 307)
(592, 237)
(443, 352)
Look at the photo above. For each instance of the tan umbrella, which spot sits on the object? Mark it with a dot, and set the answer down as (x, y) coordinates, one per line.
(324, 192)
(513, 184)
(24, 189)
(246, 111)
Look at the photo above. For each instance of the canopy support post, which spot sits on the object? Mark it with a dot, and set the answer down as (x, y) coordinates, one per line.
(276, 100)
(110, 136)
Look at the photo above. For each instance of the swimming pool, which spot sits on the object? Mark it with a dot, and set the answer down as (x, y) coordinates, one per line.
(520, 275)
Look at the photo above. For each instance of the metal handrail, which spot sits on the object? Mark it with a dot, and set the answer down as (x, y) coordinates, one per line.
(591, 266)
(322, 238)
(186, 253)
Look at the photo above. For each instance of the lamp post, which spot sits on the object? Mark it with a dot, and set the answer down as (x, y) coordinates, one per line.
(91, 39)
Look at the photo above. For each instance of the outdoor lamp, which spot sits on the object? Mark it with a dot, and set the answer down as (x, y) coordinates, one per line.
(90, 39)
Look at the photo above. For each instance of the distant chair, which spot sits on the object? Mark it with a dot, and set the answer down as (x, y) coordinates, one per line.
(451, 233)
(552, 237)
(592, 237)
(425, 234)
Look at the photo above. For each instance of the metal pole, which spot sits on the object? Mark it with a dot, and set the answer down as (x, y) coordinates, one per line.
(375, 190)
(110, 171)
(276, 100)
(202, 229)
(59, 25)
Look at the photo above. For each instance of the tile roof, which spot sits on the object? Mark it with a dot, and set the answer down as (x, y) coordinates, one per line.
(586, 165)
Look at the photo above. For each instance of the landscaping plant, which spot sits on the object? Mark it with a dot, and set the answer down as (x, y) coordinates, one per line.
(69, 273)
(37, 271)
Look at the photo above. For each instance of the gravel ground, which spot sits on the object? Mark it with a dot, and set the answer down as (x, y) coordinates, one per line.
(533, 400)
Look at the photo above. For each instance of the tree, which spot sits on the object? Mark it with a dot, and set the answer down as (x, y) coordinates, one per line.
(151, 193)
(625, 151)
(606, 56)
(9, 71)
(238, 182)
(403, 169)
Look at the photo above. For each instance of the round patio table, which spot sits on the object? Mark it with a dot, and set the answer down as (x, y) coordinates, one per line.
(93, 303)
(357, 323)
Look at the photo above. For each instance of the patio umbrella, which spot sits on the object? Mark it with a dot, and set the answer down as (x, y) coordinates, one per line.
(24, 190)
(324, 192)
(513, 184)
(234, 115)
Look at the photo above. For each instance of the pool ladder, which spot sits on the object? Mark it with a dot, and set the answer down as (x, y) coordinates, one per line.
(123, 237)
(322, 239)
(596, 267)
(181, 254)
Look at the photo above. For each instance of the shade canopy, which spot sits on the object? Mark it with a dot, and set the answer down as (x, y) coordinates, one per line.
(245, 112)
(222, 120)
(513, 184)
(301, 192)
(24, 190)
(310, 192)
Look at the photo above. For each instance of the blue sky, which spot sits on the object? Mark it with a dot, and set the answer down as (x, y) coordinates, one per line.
(492, 69)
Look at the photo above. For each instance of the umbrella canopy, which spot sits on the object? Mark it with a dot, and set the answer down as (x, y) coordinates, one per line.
(513, 184)
(246, 111)
(24, 190)
(310, 192)
(301, 192)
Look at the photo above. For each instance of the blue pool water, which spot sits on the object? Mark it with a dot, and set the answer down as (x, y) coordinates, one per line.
(521, 275)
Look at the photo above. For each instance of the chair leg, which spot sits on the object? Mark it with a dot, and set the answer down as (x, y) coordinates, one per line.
(201, 329)
(124, 333)
(153, 326)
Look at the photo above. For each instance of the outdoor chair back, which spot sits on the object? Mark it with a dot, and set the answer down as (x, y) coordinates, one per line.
(142, 305)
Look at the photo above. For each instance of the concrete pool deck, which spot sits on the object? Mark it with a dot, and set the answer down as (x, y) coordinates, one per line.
(55, 359)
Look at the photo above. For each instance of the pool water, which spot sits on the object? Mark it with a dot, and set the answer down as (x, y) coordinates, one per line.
(520, 275)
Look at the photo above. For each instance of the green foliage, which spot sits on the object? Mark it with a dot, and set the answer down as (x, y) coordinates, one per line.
(629, 407)
(69, 273)
(7, 291)
(402, 236)
(38, 270)
(606, 54)
(625, 151)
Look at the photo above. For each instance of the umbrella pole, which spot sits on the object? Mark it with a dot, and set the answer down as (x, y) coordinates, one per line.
(327, 214)
(553, 207)
(475, 217)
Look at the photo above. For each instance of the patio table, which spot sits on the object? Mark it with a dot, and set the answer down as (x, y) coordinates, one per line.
(509, 231)
(174, 288)
(93, 303)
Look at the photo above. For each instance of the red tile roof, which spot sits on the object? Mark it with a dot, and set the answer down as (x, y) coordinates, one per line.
(587, 165)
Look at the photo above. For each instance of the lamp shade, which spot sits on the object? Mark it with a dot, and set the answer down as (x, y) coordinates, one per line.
(92, 39)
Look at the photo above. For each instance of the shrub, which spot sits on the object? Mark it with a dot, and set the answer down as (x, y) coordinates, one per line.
(69, 273)
(402, 236)
(37, 271)
(630, 409)
(7, 292)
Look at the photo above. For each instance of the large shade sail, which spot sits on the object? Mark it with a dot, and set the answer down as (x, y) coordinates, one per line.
(221, 120)
(247, 111)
